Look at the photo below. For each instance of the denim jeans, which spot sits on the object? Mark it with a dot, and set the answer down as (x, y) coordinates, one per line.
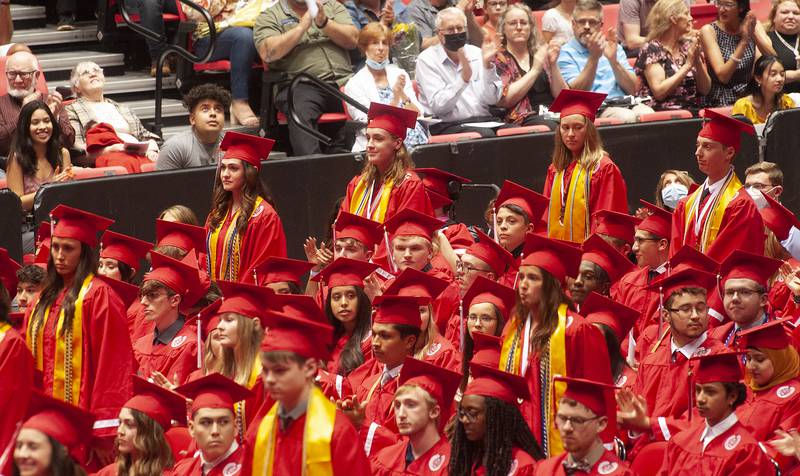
(151, 12)
(236, 45)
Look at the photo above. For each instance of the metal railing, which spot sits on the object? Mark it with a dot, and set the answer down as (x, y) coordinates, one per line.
(170, 48)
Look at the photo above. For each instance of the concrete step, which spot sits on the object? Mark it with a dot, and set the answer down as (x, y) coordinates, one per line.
(145, 109)
(27, 12)
(66, 60)
(130, 82)
(83, 32)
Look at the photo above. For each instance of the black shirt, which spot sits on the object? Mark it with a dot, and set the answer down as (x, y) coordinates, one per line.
(786, 56)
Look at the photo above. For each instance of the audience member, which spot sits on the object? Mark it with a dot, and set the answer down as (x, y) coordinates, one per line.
(199, 145)
(633, 24)
(424, 13)
(766, 92)
(22, 72)
(495, 9)
(766, 177)
(528, 70)
(458, 81)
(557, 22)
(784, 27)
(380, 81)
(66, 14)
(670, 67)
(729, 45)
(151, 17)
(363, 12)
(672, 186)
(593, 61)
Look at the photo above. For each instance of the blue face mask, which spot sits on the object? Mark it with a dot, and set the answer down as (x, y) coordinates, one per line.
(375, 65)
(673, 193)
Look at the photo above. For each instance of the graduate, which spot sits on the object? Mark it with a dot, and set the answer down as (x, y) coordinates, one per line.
(167, 292)
(616, 228)
(601, 266)
(719, 216)
(388, 183)
(76, 330)
(243, 228)
(176, 239)
(517, 212)
(120, 255)
(584, 411)
(615, 321)
(30, 279)
(303, 432)
(582, 178)
(422, 406)
(282, 275)
(213, 426)
(411, 235)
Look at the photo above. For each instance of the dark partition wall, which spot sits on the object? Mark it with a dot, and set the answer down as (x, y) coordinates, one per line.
(783, 148)
(11, 223)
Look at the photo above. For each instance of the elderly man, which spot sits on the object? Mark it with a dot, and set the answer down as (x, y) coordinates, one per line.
(423, 13)
(22, 71)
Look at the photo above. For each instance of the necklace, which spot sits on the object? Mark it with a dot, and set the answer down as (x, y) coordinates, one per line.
(793, 49)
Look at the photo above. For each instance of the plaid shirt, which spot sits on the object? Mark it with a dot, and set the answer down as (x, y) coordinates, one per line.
(82, 118)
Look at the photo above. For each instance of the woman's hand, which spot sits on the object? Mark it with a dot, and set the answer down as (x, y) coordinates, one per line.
(553, 50)
(159, 379)
(113, 148)
(387, 14)
(398, 90)
(540, 57)
(372, 287)
(787, 443)
(748, 27)
(632, 411)
(64, 176)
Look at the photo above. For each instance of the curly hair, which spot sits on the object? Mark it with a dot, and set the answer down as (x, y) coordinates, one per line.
(153, 451)
(210, 91)
(221, 199)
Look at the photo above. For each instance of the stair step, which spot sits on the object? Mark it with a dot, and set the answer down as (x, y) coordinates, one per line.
(146, 108)
(66, 60)
(83, 32)
(27, 12)
(132, 81)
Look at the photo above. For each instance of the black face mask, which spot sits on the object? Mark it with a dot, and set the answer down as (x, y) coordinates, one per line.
(455, 41)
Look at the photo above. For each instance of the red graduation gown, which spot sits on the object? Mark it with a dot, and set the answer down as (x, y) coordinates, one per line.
(379, 428)
(230, 466)
(631, 291)
(176, 360)
(110, 470)
(334, 386)
(137, 324)
(16, 383)
(391, 461)
(442, 354)
(522, 464)
(366, 350)
(608, 464)
(770, 409)
(733, 453)
(410, 193)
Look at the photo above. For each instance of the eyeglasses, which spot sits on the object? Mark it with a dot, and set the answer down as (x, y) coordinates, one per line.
(496, 4)
(518, 23)
(686, 310)
(90, 72)
(743, 292)
(468, 268)
(727, 5)
(759, 186)
(469, 415)
(22, 74)
(484, 319)
(152, 295)
(590, 22)
(453, 30)
(639, 241)
(576, 422)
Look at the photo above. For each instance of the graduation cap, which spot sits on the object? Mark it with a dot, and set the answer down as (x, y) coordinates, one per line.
(8, 272)
(575, 101)
(724, 129)
(412, 223)
(303, 333)
(245, 299)
(358, 228)
(440, 182)
(43, 233)
(484, 290)
(78, 224)
(689, 257)
(438, 200)
(491, 253)
(345, 272)
(246, 147)
(180, 276)
(394, 120)
(599, 309)
(493, 382)
(399, 310)
(279, 270)
(718, 367)
(556, 257)
(440, 383)
(532, 203)
(213, 391)
(486, 349)
(123, 248)
(619, 225)
(205, 321)
(778, 218)
(69, 425)
(667, 284)
(180, 235)
(743, 265)
(658, 222)
(42, 257)
(770, 335)
(598, 251)
(411, 282)
(155, 401)
(127, 292)
(596, 396)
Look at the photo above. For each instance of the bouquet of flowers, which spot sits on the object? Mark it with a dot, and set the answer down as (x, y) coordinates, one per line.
(405, 47)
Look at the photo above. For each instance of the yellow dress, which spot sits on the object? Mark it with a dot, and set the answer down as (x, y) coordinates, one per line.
(744, 107)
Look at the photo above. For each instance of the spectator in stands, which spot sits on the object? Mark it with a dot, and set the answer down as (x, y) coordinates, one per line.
(458, 81)
(528, 70)
(233, 21)
(290, 41)
(670, 67)
(673, 185)
(557, 22)
(37, 157)
(766, 177)
(424, 14)
(784, 20)
(593, 61)
(199, 145)
(729, 44)
(22, 72)
(363, 12)
(381, 82)
(92, 108)
(151, 13)
(495, 9)
(766, 92)
(632, 25)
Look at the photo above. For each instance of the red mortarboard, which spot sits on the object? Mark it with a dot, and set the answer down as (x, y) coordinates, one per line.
(743, 265)
(771, 335)
(208, 318)
(575, 101)
(213, 391)
(249, 148)
(297, 305)
(689, 257)
(277, 270)
(345, 272)
(43, 233)
(440, 383)
(718, 367)
(486, 349)
(485, 290)
(180, 235)
(399, 310)
(394, 120)
(362, 229)
(412, 223)
(180, 276)
(532, 203)
(42, 257)
(492, 382)
(556, 257)
(155, 401)
(595, 396)
(490, 252)
(305, 334)
(78, 224)
(8, 272)
(437, 200)
(778, 218)
(619, 225)
(601, 253)
(245, 299)
(681, 279)
(124, 248)
(127, 292)
(411, 282)
(724, 129)
(69, 425)
(658, 222)
(438, 181)
(602, 310)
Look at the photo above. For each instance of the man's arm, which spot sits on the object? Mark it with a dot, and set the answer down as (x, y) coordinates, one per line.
(631, 34)
(273, 48)
(339, 27)
(623, 73)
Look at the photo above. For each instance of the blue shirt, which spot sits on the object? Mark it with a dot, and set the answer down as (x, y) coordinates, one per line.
(361, 16)
(573, 59)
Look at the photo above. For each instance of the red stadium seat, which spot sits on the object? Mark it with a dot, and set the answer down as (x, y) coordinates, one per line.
(325, 118)
(761, 9)
(649, 459)
(703, 14)
(445, 138)
(537, 18)
(665, 115)
(610, 15)
(608, 121)
(148, 167)
(3, 183)
(512, 131)
(87, 173)
(726, 110)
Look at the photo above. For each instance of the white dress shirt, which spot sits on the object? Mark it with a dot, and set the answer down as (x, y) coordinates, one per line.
(207, 466)
(712, 432)
(689, 349)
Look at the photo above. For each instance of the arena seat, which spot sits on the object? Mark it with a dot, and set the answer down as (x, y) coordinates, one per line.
(148, 167)
(703, 14)
(460, 136)
(610, 15)
(665, 115)
(649, 459)
(537, 18)
(608, 121)
(512, 131)
(722, 110)
(87, 173)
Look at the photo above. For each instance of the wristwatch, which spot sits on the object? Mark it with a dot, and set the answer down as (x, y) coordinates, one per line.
(324, 24)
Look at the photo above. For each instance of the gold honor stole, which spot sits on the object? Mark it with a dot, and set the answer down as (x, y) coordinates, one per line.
(713, 219)
(4, 327)
(69, 348)
(572, 222)
(231, 241)
(317, 436)
(240, 407)
(362, 203)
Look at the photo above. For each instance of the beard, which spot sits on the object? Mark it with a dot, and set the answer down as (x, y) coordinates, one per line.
(21, 93)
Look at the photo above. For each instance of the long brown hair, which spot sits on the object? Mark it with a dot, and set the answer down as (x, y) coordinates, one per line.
(237, 363)
(552, 296)
(154, 453)
(590, 155)
(397, 170)
(252, 189)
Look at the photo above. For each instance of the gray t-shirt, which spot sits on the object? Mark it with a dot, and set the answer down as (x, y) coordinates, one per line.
(185, 150)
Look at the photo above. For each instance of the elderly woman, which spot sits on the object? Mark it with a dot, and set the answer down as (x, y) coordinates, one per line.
(670, 67)
(766, 92)
(784, 19)
(92, 109)
(379, 81)
(528, 70)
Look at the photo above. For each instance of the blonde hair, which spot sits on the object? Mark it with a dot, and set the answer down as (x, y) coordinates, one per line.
(371, 33)
(770, 24)
(533, 40)
(590, 155)
(237, 363)
(426, 397)
(397, 170)
(430, 335)
(659, 20)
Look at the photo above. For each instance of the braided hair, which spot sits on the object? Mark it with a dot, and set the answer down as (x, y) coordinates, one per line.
(505, 430)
